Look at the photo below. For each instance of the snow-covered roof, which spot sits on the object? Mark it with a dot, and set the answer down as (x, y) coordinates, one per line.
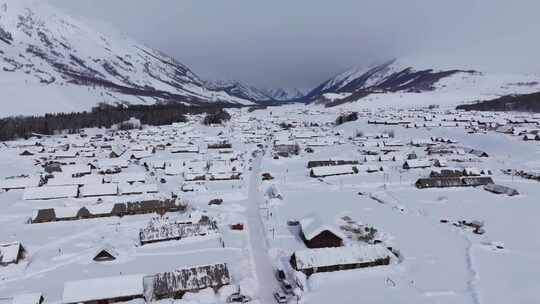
(103, 288)
(66, 212)
(111, 162)
(50, 192)
(64, 180)
(18, 182)
(27, 298)
(313, 226)
(418, 163)
(500, 189)
(107, 248)
(472, 171)
(140, 154)
(310, 258)
(9, 252)
(73, 169)
(137, 188)
(99, 190)
(128, 177)
(332, 170)
(97, 209)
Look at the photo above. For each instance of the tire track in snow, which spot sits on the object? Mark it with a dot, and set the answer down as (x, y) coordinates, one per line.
(473, 273)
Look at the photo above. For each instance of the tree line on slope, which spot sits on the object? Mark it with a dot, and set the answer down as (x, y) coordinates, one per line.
(520, 103)
(103, 115)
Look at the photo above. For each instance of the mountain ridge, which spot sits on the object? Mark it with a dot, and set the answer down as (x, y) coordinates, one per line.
(41, 46)
(242, 90)
(402, 77)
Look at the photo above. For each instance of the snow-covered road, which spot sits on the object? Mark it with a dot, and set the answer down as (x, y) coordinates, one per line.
(259, 248)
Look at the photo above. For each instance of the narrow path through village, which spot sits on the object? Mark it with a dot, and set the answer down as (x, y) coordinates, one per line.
(259, 246)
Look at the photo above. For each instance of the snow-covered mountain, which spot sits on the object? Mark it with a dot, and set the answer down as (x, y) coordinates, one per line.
(238, 89)
(245, 91)
(403, 78)
(52, 62)
(283, 94)
(390, 76)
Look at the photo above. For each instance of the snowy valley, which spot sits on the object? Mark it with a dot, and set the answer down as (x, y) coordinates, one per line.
(127, 178)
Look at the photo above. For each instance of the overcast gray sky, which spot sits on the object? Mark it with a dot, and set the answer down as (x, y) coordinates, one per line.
(299, 43)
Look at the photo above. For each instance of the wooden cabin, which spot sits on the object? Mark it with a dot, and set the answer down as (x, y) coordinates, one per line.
(310, 261)
(176, 283)
(316, 234)
(446, 182)
(325, 171)
(106, 210)
(322, 163)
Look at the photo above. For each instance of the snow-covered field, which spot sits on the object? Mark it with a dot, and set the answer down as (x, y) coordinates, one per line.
(445, 245)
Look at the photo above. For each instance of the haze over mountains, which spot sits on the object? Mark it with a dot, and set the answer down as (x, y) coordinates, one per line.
(50, 62)
(245, 91)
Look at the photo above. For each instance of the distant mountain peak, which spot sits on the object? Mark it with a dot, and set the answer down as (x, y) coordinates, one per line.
(242, 90)
(284, 94)
(238, 89)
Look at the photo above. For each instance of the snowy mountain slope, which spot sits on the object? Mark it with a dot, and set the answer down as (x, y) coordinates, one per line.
(283, 94)
(516, 102)
(399, 77)
(448, 93)
(47, 50)
(238, 89)
(390, 76)
(245, 91)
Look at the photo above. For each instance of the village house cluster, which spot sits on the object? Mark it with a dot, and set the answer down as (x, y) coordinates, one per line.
(149, 185)
(277, 204)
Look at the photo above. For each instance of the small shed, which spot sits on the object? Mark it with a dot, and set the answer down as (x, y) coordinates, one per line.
(104, 254)
(11, 253)
(44, 216)
(478, 153)
(26, 153)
